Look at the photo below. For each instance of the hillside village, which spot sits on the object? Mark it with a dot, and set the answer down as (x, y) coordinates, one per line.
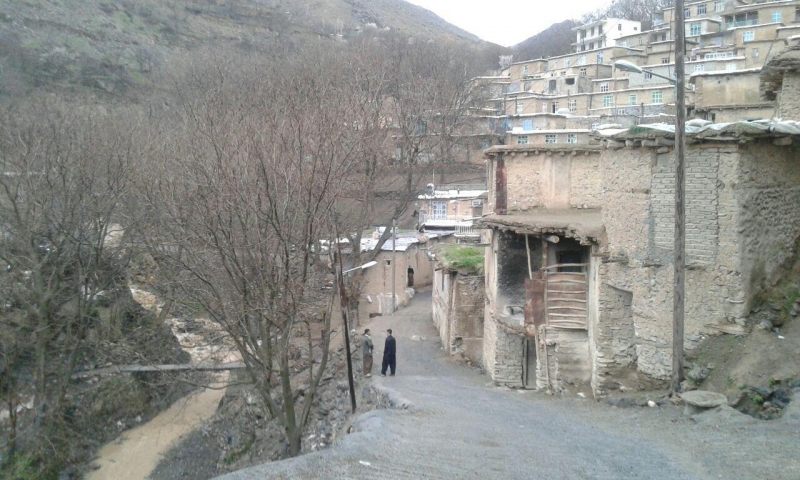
(577, 220)
(212, 213)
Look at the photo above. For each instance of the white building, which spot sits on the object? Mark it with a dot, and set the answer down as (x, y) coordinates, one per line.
(603, 33)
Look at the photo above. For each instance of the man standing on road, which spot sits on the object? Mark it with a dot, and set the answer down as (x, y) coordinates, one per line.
(366, 350)
(389, 353)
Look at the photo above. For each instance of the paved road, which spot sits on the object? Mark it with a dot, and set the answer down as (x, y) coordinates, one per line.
(461, 426)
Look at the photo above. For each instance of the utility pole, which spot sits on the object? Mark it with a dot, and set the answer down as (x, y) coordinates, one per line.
(394, 265)
(346, 327)
(680, 199)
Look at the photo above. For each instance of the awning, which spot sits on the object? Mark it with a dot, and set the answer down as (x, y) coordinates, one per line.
(585, 225)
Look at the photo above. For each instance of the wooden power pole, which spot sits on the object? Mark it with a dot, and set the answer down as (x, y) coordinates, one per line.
(680, 197)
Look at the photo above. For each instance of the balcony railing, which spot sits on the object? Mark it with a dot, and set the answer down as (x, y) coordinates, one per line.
(741, 23)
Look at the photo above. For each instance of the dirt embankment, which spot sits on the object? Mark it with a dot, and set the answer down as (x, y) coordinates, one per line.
(759, 370)
(241, 434)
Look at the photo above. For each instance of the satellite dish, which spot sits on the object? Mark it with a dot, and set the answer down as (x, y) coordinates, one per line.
(430, 188)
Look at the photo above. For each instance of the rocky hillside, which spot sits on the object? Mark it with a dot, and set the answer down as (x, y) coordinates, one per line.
(112, 47)
(555, 40)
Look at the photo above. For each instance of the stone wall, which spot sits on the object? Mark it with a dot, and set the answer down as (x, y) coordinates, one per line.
(789, 99)
(458, 311)
(502, 351)
(467, 328)
(440, 300)
(768, 194)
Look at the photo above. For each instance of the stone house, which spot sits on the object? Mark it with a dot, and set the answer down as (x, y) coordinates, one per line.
(579, 263)
(413, 270)
(728, 96)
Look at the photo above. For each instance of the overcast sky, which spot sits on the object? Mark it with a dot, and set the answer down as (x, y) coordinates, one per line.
(508, 22)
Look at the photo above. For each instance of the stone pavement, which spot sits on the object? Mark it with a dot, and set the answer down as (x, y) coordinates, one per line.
(459, 425)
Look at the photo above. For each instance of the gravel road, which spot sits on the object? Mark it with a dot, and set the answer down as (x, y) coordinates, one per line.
(459, 425)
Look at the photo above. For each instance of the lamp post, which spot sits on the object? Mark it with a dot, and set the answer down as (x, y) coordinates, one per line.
(631, 67)
(340, 273)
(679, 276)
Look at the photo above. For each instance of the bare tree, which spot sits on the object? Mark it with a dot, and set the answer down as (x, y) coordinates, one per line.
(417, 107)
(63, 175)
(242, 191)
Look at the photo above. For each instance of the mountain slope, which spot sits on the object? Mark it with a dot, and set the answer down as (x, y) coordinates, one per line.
(113, 46)
(555, 40)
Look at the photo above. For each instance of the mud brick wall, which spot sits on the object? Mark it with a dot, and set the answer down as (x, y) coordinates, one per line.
(558, 180)
(702, 228)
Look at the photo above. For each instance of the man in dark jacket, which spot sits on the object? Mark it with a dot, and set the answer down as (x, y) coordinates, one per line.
(389, 353)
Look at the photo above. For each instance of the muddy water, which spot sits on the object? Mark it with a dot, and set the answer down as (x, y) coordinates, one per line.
(136, 453)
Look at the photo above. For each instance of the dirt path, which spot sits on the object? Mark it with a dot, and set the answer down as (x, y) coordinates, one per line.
(462, 426)
(137, 452)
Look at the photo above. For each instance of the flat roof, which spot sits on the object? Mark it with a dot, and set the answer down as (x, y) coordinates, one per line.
(585, 225)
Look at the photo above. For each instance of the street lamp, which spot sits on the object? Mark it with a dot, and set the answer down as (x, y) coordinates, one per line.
(631, 67)
(340, 272)
(362, 267)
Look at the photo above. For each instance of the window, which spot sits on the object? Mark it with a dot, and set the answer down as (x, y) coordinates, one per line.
(648, 75)
(485, 144)
(572, 138)
(686, 13)
(544, 107)
(663, 37)
(714, 55)
(701, 9)
(522, 140)
(551, 138)
(657, 97)
(520, 108)
(748, 36)
(525, 70)
(619, 27)
(440, 210)
(555, 107)
(566, 62)
(582, 60)
(719, 5)
(592, 33)
(665, 60)
(595, 125)
(570, 81)
(776, 17)
(608, 101)
(527, 125)
(552, 85)
(573, 105)
(694, 29)
(730, 66)
(621, 111)
(632, 100)
(591, 45)
(700, 67)
(755, 53)
(600, 57)
(583, 71)
(604, 87)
